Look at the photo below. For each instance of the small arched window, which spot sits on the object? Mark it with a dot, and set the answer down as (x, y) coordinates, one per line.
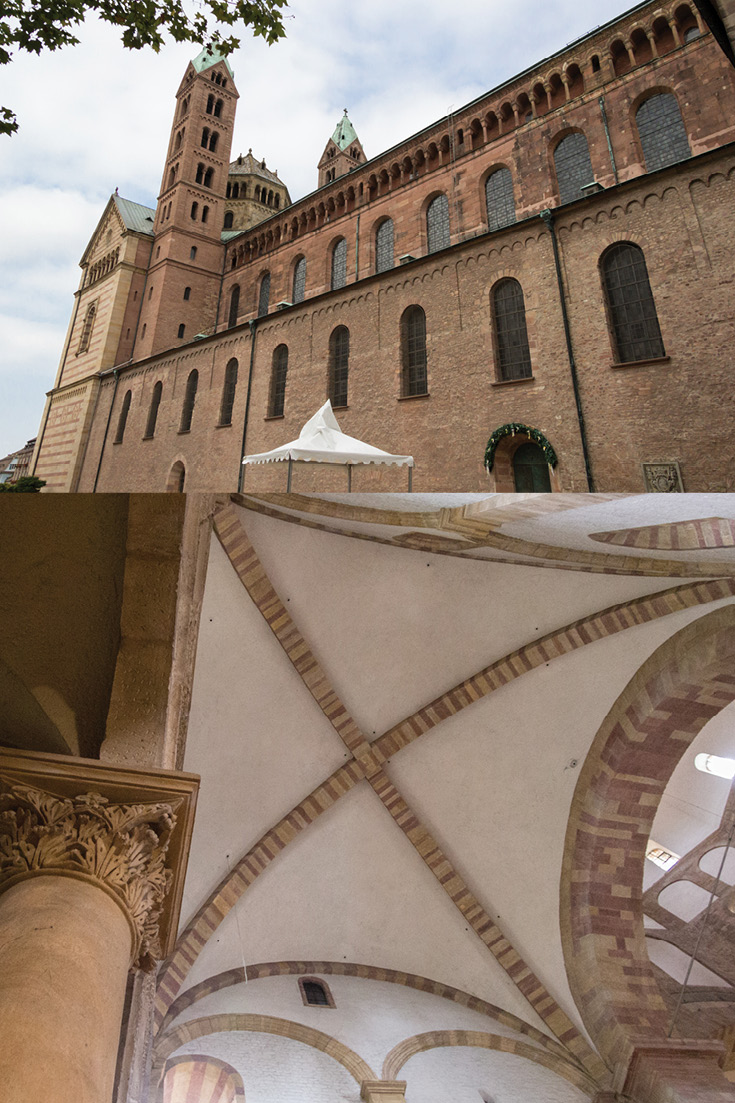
(339, 264)
(194, 212)
(234, 306)
(573, 166)
(200, 173)
(150, 427)
(228, 393)
(205, 137)
(279, 371)
(218, 109)
(264, 295)
(176, 478)
(122, 420)
(437, 224)
(208, 177)
(511, 335)
(210, 103)
(235, 191)
(384, 246)
(228, 221)
(339, 365)
(205, 214)
(636, 334)
(413, 352)
(499, 199)
(213, 141)
(299, 281)
(190, 394)
(87, 328)
(315, 993)
(662, 132)
(187, 293)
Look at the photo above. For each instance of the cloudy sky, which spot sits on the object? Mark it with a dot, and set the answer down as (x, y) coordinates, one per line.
(97, 117)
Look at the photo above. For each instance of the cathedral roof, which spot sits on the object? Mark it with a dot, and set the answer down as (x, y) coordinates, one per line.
(209, 56)
(134, 215)
(344, 133)
(247, 165)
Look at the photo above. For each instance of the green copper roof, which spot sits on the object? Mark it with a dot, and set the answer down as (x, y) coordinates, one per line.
(344, 134)
(209, 56)
(135, 215)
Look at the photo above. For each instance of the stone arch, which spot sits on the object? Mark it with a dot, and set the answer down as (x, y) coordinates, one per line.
(176, 481)
(502, 446)
(683, 684)
(177, 1077)
(358, 1069)
(435, 1039)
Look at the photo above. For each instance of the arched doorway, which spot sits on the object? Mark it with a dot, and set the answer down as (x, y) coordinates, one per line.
(530, 470)
(176, 478)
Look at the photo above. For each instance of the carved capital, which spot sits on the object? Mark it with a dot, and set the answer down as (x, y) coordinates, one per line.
(120, 847)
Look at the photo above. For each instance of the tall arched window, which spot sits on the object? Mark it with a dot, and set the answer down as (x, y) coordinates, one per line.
(499, 199)
(636, 334)
(413, 352)
(234, 306)
(208, 177)
(189, 397)
(339, 365)
(228, 221)
(122, 420)
(279, 370)
(511, 336)
(339, 264)
(299, 281)
(213, 141)
(89, 318)
(437, 224)
(205, 137)
(662, 132)
(573, 166)
(150, 427)
(228, 393)
(210, 103)
(200, 173)
(218, 109)
(384, 246)
(264, 295)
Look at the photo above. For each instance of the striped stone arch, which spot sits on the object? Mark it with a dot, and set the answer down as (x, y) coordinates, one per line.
(686, 682)
(198, 1078)
(436, 1039)
(358, 1069)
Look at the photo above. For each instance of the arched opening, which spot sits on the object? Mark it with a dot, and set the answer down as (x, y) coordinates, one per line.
(176, 478)
(530, 470)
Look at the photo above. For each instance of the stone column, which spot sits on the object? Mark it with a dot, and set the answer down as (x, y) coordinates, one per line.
(383, 1091)
(675, 1071)
(83, 888)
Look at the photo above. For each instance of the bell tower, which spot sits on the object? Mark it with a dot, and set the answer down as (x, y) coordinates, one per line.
(342, 153)
(180, 296)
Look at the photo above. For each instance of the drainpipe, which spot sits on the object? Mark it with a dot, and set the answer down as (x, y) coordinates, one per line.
(253, 324)
(116, 374)
(603, 112)
(548, 220)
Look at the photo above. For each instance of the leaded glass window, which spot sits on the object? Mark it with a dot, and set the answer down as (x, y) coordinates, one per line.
(123, 419)
(662, 132)
(339, 264)
(413, 347)
(264, 295)
(299, 281)
(384, 246)
(437, 224)
(511, 335)
(339, 363)
(636, 334)
(501, 206)
(315, 994)
(279, 371)
(153, 409)
(228, 393)
(573, 166)
(187, 409)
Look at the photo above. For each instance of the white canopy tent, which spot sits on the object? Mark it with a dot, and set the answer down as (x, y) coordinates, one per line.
(322, 441)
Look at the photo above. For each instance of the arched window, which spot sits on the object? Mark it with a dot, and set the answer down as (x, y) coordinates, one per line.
(573, 166)
(218, 109)
(213, 141)
(187, 293)
(182, 330)
(299, 281)
(200, 173)
(499, 199)
(150, 427)
(234, 306)
(511, 336)
(235, 191)
(228, 221)
(279, 370)
(208, 177)
(87, 328)
(122, 420)
(264, 295)
(662, 132)
(339, 264)
(530, 470)
(228, 394)
(189, 397)
(636, 334)
(413, 352)
(205, 137)
(205, 214)
(176, 478)
(315, 993)
(210, 103)
(194, 212)
(339, 364)
(384, 246)
(437, 224)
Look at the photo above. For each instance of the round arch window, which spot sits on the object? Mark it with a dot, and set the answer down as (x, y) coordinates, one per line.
(530, 470)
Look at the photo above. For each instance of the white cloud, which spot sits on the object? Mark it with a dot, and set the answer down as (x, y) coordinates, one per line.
(98, 116)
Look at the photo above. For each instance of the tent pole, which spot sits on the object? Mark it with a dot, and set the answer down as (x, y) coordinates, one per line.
(410, 479)
(290, 467)
(349, 478)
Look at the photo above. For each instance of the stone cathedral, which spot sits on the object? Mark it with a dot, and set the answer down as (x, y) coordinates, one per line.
(532, 294)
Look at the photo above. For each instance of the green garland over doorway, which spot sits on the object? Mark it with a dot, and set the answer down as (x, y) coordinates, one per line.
(512, 429)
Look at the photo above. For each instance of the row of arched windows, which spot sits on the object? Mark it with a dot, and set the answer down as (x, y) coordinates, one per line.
(214, 106)
(204, 175)
(209, 139)
(102, 267)
(187, 408)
